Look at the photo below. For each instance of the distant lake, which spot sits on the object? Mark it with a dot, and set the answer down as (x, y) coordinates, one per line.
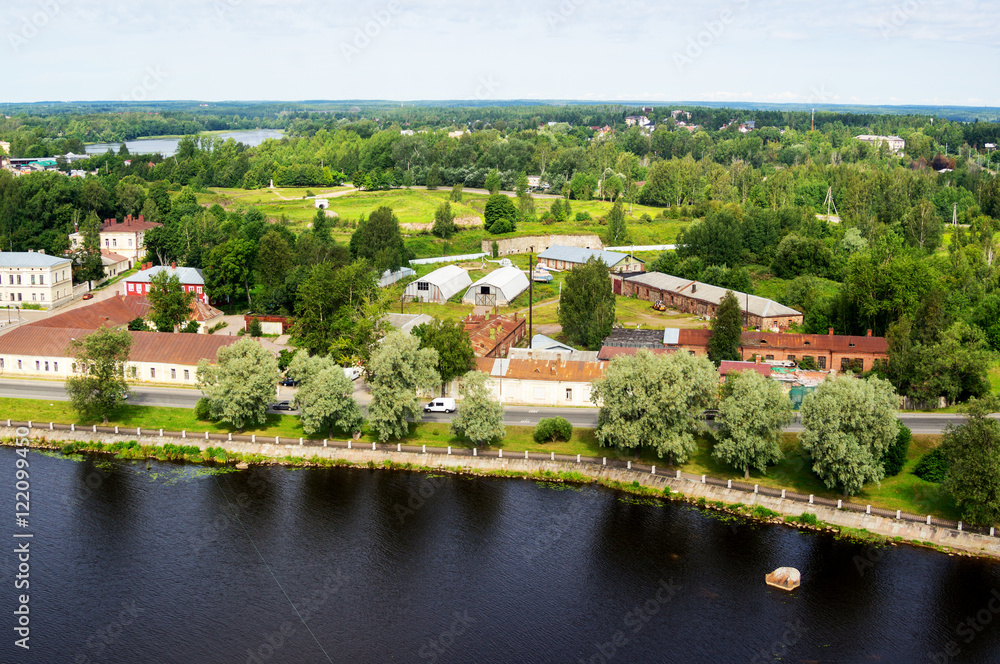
(168, 146)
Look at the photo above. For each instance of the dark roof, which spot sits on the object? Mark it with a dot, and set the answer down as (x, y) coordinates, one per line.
(625, 338)
(827, 342)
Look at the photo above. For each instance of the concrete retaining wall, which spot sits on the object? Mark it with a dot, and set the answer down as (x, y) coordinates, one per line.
(539, 243)
(361, 454)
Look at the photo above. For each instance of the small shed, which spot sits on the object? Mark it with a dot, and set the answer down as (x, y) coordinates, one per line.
(438, 286)
(498, 288)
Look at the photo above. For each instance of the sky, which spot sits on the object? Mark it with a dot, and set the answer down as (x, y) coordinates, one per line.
(883, 52)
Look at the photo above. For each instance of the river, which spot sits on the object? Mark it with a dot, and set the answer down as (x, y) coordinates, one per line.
(168, 146)
(171, 563)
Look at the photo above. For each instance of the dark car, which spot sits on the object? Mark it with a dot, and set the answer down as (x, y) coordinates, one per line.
(289, 382)
(283, 405)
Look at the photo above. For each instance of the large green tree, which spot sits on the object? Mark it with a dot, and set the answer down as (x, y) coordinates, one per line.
(587, 305)
(326, 397)
(727, 330)
(444, 221)
(617, 228)
(498, 208)
(655, 401)
(849, 424)
(241, 384)
(480, 417)
(274, 260)
(88, 254)
(752, 412)
(170, 304)
(451, 341)
(379, 240)
(398, 370)
(973, 450)
(98, 386)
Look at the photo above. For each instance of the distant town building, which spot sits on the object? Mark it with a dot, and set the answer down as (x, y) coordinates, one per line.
(895, 143)
(126, 238)
(33, 277)
(558, 257)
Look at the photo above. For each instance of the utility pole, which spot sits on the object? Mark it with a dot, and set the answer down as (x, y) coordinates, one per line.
(531, 297)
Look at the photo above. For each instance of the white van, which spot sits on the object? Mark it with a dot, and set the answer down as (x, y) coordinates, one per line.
(353, 373)
(441, 405)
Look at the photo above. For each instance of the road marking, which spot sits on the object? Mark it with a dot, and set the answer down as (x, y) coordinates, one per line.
(525, 421)
(532, 412)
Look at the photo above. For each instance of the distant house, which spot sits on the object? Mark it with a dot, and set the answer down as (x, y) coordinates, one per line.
(541, 382)
(494, 336)
(498, 288)
(191, 280)
(114, 264)
(634, 120)
(895, 143)
(126, 238)
(695, 297)
(30, 277)
(438, 286)
(558, 257)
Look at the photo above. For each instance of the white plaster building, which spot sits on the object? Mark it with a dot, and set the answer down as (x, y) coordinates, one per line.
(35, 278)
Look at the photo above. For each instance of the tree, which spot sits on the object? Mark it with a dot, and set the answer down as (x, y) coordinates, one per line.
(339, 310)
(241, 384)
(551, 429)
(170, 304)
(379, 240)
(433, 177)
(98, 386)
(88, 255)
(230, 267)
(587, 306)
(973, 451)
(255, 329)
(498, 207)
(456, 193)
(895, 456)
(492, 183)
(849, 424)
(454, 348)
(326, 398)
(752, 412)
(399, 368)
(274, 259)
(655, 401)
(727, 330)
(481, 417)
(617, 228)
(444, 221)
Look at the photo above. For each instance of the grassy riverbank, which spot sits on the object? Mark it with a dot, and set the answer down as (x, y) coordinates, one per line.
(905, 491)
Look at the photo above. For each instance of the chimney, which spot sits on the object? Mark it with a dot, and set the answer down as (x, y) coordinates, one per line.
(42, 251)
(831, 332)
(694, 288)
(140, 218)
(868, 334)
(173, 265)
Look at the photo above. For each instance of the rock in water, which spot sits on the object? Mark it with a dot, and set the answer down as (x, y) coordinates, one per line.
(786, 578)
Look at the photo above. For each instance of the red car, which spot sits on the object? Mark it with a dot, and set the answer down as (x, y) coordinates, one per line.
(88, 296)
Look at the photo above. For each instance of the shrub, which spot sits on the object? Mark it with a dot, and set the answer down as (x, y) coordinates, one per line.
(203, 409)
(645, 218)
(807, 519)
(932, 466)
(583, 216)
(550, 429)
(255, 328)
(501, 226)
(895, 456)
(138, 325)
(191, 327)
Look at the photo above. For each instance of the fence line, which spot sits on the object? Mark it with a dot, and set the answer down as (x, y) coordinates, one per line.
(603, 462)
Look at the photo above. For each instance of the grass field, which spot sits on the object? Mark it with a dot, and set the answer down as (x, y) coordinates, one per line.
(417, 206)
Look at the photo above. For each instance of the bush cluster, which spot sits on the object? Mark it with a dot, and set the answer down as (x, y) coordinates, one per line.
(551, 429)
(932, 466)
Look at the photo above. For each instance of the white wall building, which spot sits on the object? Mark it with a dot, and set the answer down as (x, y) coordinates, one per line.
(127, 237)
(541, 382)
(498, 288)
(35, 278)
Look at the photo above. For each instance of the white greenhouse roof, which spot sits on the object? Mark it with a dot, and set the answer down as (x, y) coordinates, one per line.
(510, 281)
(450, 279)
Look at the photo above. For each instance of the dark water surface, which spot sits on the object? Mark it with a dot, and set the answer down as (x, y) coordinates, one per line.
(175, 564)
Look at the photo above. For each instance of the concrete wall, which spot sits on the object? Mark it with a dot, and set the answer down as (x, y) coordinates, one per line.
(539, 243)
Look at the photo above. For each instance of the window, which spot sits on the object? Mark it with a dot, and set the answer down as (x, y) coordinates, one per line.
(807, 343)
(107, 242)
(173, 374)
(423, 285)
(851, 344)
(34, 296)
(130, 242)
(133, 372)
(18, 280)
(42, 297)
(791, 358)
(199, 290)
(187, 374)
(569, 394)
(46, 366)
(55, 366)
(152, 372)
(114, 243)
(41, 279)
(1, 363)
(690, 352)
(821, 360)
(19, 364)
(38, 365)
(131, 287)
(18, 297)
(768, 357)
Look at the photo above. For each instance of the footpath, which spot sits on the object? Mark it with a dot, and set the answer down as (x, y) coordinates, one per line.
(898, 526)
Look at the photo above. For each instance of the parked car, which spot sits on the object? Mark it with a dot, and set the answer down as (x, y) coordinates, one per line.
(352, 372)
(283, 405)
(88, 296)
(289, 382)
(441, 405)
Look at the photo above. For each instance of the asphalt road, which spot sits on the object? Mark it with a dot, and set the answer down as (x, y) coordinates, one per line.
(919, 423)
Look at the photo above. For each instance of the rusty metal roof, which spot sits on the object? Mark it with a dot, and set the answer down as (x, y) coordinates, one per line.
(161, 347)
(113, 312)
(727, 367)
(826, 342)
(582, 372)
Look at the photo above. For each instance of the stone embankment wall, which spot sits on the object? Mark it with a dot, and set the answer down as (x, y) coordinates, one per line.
(539, 243)
(462, 461)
